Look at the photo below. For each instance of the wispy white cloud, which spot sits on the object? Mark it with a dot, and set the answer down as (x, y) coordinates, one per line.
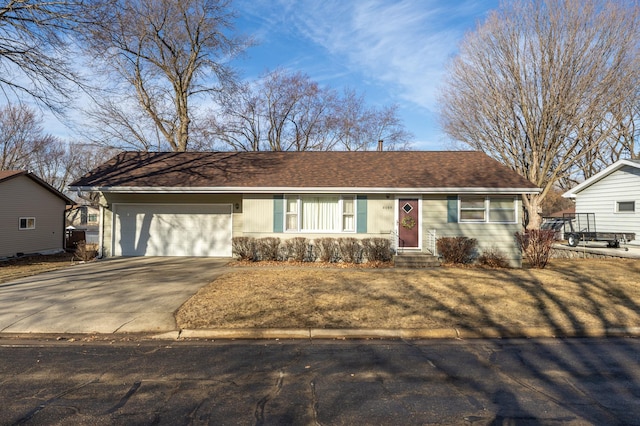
(401, 46)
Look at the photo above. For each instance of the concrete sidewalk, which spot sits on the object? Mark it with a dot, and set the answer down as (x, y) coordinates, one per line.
(123, 295)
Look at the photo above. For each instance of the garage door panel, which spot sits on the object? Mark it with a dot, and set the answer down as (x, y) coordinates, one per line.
(173, 230)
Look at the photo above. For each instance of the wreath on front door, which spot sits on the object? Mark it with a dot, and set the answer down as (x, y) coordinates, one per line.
(408, 222)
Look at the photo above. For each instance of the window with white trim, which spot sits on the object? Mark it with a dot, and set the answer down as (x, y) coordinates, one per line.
(488, 209)
(320, 213)
(27, 223)
(473, 209)
(625, 206)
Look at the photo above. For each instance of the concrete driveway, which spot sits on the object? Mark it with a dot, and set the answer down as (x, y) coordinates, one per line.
(124, 295)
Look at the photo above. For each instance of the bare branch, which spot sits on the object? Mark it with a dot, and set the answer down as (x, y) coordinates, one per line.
(162, 54)
(542, 85)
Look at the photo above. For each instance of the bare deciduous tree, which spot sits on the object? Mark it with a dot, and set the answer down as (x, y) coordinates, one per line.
(285, 111)
(541, 84)
(34, 58)
(21, 137)
(25, 146)
(359, 128)
(159, 56)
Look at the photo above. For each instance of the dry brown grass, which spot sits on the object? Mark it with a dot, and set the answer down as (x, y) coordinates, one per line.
(26, 266)
(568, 295)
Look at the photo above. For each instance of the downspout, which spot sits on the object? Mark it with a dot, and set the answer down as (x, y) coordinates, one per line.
(64, 228)
(101, 234)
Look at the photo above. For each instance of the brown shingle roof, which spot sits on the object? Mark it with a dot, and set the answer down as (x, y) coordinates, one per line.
(6, 174)
(337, 169)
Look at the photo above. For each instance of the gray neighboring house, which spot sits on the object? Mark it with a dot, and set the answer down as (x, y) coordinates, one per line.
(31, 215)
(614, 196)
(194, 203)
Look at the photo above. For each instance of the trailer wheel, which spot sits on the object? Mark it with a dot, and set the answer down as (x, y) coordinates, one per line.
(572, 240)
(613, 244)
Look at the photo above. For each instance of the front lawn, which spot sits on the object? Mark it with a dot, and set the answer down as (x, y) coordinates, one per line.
(567, 295)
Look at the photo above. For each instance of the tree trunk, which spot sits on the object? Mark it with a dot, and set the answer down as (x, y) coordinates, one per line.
(531, 204)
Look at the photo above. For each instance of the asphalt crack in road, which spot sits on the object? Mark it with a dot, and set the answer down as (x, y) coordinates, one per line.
(125, 398)
(24, 419)
(259, 411)
(314, 402)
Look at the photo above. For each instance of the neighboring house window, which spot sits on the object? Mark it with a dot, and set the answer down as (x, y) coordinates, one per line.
(322, 213)
(92, 217)
(27, 223)
(488, 209)
(625, 206)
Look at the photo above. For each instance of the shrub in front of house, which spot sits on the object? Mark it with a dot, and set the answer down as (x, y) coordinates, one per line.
(493, 258)
(536, 246)
(297, 248)
(85, 252)
(377, 249)
(327, 249)
(350, 250)
(268, 248)
(457, 249)
(245, 248)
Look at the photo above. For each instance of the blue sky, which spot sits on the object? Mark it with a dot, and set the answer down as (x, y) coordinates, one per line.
(393, 51)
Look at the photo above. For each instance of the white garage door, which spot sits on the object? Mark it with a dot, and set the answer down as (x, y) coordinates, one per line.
(172, 230)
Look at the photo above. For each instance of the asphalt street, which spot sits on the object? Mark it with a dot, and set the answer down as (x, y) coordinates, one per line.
(321, 382)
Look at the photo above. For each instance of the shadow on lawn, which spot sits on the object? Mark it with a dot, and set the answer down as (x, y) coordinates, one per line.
(574, 377)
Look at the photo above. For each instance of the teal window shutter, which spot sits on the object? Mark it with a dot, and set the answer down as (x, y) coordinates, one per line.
(278, 213)
(452, 209)
(361, 215)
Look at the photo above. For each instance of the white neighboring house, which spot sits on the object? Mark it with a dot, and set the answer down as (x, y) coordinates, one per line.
(614, 196)
(84, 218)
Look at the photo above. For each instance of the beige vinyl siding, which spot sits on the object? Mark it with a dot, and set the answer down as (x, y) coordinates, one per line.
(22, 197)
(258, 215)
(489, 235)
(381, 215)
(258, 219)
(107, 233)
(601, 197)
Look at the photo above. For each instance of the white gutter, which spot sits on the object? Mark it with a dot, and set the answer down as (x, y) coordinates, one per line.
(306, 190)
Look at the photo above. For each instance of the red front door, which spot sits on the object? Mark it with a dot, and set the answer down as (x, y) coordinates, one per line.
(408, 223)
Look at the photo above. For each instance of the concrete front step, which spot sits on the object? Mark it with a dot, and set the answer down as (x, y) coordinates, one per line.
(415, 260)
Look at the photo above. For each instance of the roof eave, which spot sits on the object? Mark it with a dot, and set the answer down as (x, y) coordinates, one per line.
(599, 176)
(309, 190)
